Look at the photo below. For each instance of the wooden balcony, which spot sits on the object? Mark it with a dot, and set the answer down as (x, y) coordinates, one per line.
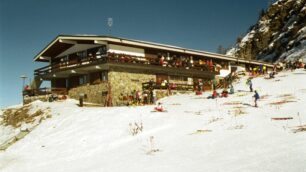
(45, 91)
(171, 86)
(122, 61)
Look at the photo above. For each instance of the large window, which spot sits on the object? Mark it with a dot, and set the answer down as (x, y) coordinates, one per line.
(83, 79)
(82, 54)
(178, 78)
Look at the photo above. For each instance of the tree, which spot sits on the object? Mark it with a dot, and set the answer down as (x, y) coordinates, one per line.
(239, 39)
(261, 13)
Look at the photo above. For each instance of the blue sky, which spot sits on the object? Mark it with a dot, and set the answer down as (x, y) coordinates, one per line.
(26, 27)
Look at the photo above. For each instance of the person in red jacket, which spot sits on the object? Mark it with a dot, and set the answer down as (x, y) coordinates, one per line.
(214, 95)
(224, 93)
(159, 107)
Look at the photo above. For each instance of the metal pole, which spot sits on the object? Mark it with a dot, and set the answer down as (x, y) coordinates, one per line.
(23, 77)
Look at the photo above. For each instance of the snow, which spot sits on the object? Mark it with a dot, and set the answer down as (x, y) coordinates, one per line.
(99, 139)
(232, 51)
(302, 33)
(224, 73)
(247, 37)
(296, 52)
(269, 57)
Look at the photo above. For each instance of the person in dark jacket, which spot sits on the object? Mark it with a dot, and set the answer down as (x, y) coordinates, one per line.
(232, 91)
(256, 97)
(249, 82)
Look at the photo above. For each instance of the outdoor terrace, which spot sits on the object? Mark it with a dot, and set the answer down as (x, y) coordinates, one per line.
(186, 63)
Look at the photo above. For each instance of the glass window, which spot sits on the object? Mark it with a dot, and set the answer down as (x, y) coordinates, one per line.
(82, 54)
(104, 76)
(83, 79)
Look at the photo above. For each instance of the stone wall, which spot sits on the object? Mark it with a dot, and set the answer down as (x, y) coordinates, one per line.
(29, 99)
(121, 83)
(125, 83)
(94, 93)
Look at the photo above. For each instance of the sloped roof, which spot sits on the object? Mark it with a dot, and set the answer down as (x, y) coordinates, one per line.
(59, 44)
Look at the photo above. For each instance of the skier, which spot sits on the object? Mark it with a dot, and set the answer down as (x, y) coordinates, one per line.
(249, 82)
(232, 89)
(199, 87)
(256, 97)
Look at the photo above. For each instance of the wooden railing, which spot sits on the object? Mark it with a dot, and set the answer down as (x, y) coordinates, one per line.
(45, 91)
(172, 86)
(122, 58)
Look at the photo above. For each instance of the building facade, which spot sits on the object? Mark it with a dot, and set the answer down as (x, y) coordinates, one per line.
(109, 70)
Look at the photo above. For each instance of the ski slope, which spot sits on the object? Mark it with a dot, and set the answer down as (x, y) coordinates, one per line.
(195, 134)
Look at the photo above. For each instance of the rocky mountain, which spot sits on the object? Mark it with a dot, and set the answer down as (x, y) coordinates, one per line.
(279, 34)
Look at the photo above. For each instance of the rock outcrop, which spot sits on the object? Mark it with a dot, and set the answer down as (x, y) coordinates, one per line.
(279, 34)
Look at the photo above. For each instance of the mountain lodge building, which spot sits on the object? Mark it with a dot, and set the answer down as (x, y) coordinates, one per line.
(107, 69)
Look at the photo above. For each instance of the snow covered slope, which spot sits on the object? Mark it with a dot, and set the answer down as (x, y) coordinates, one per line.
(196, 134)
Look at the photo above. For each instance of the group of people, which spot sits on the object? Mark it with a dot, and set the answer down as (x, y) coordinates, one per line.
(186, 62)
(257, 70)
(137, 98)
(292, 65)
(225, 93)
(289, 65)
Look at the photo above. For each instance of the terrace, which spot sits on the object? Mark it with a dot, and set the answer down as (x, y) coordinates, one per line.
(75, 61)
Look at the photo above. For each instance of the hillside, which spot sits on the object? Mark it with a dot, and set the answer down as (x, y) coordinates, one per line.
(195, 134)
(279, 34)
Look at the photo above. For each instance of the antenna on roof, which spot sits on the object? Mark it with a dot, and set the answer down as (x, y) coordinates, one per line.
(110, 24)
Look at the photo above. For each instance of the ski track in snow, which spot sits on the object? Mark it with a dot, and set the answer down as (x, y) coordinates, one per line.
(196, 134)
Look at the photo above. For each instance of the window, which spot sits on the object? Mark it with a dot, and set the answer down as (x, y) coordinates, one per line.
(178, 78)
(104, 76)
(67, 83)
(102, 51)
(83, 79)
(82, 54)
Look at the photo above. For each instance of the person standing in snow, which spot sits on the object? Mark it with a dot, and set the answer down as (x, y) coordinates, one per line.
(264, 69)
(249, 82)
(256, 97)
(200, 85)
(232, 91)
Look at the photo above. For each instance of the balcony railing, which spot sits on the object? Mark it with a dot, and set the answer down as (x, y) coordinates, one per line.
(122, 58)
(171, 86)
(45, 91)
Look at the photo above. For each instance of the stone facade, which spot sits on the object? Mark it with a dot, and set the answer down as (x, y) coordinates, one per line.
(29, 99)
(121, 83)
(126, 83)
(94, 93)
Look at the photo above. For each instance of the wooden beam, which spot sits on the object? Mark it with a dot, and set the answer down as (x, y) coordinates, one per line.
(44, 58)
(67, 41)
(100, 42)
